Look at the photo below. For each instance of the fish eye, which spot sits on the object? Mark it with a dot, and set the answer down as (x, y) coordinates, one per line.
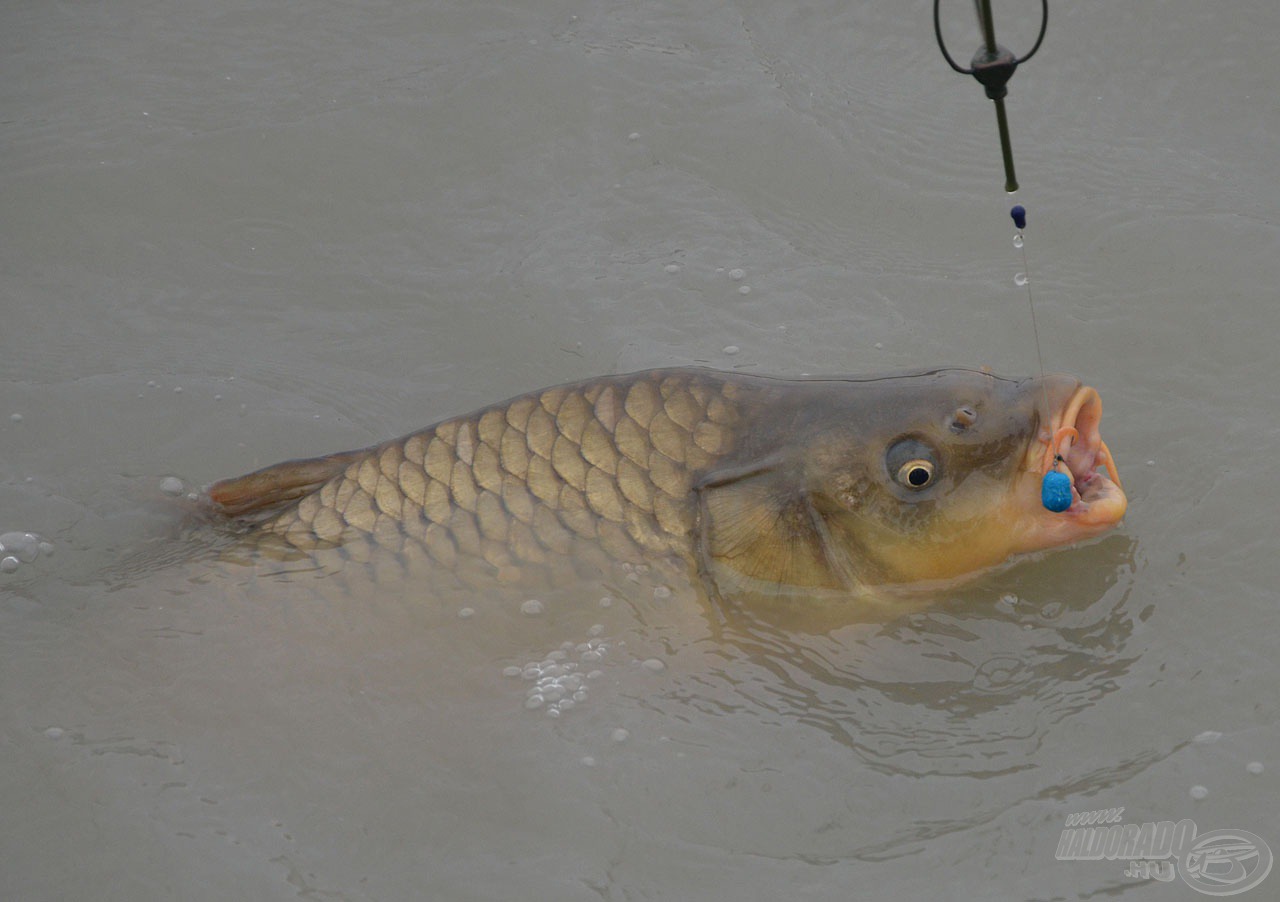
(912, 464)
(916, 474)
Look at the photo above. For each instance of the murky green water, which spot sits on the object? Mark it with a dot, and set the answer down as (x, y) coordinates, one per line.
(236, 233)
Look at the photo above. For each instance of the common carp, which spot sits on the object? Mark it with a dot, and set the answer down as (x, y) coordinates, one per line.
(758, 485)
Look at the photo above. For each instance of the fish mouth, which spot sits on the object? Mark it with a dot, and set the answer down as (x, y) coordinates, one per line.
(1074, 443)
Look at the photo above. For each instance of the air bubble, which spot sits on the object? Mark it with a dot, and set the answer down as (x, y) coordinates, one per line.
(606, 602)
(620, 735)
(744, 289)
(672, 267)
(511, 671)
(737, 274)
(1017, 241)
(662, 593)
(731, 349)
(54, 733)
(596, 630)
(1199, 792)
(532, 607)
(15, 417)
(587, 761)
(22, 546)
(1020, 279)
(653, 665)
(1254, 767)
(534, 701)
(171, 485)
(466, 613)
(1208, 736)
(9, 564)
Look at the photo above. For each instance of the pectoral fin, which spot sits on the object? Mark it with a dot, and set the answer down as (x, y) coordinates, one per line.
(264, 491)
(758, 529)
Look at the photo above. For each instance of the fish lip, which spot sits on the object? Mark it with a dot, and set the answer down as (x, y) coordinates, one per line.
(1097, 500)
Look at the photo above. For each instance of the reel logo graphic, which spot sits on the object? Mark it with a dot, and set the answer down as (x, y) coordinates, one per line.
(1217, 863)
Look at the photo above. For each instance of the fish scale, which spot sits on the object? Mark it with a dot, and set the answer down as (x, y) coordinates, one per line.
(609, 463)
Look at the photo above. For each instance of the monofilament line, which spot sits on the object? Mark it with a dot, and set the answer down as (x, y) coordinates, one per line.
(1019, 215)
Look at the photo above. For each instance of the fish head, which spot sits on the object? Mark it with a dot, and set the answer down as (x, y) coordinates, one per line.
(918, 481)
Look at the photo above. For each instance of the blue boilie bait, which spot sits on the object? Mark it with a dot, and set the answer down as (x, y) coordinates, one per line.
(1055, 491)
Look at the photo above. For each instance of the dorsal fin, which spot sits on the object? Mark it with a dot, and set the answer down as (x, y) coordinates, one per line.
(758, 530)
(265, 490)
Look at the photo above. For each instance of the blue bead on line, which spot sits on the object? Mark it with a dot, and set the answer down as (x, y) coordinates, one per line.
(1055, 491)
(1019, 214)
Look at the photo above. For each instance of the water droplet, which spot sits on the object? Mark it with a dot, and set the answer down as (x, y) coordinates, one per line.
(1020, 279)
(653, 665)
(1199, 792)
(620, 735)
(9, 564)
(1254, 767)
(171, 485)
(1017, 241)
(532, 607)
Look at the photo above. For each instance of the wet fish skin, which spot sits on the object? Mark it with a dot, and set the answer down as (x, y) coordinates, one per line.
(760, 486)
(519, 486)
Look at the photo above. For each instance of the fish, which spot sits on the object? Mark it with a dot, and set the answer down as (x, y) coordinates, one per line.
(757, 486)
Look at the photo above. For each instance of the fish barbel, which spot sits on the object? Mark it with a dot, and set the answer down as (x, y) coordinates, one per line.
(760, 485)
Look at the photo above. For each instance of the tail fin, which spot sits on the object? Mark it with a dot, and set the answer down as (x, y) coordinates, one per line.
(263, 491)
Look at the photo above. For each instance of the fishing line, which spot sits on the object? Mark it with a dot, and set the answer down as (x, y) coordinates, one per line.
(993, 65)
(1055, 486)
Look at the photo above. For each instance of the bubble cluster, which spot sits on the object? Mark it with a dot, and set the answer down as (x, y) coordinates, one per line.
(558, 681)
(18, 548)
